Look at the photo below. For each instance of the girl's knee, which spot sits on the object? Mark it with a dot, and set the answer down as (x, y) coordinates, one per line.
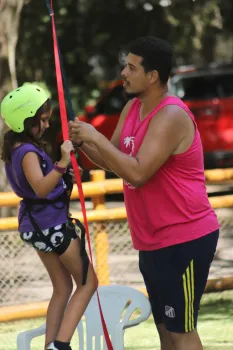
(63, 288)
(92, 282)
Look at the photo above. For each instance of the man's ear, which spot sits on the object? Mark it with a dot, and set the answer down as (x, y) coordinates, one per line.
(154, 76)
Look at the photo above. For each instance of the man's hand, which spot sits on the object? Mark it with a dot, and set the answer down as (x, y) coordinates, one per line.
(71, 173)
(81, 131)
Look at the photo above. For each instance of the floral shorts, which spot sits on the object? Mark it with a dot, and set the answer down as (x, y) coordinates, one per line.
(54, 239)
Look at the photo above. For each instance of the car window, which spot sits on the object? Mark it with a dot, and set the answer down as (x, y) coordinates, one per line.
(204, 87)
(113, 102)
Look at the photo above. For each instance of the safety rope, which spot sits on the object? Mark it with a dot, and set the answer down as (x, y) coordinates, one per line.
(60, 77)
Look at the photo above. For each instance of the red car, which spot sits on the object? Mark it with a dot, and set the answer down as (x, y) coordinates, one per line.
(104, 115)
(208, 92)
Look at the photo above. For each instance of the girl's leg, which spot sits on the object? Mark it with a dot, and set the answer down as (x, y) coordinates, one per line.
(82, 295)
(62, 289)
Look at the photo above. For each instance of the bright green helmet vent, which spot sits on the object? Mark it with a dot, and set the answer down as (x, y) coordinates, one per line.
(20, 104)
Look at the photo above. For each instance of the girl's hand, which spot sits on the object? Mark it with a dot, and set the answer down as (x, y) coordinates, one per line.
(66, 149)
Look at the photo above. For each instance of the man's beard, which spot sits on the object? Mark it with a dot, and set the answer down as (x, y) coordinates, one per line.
(130, 95)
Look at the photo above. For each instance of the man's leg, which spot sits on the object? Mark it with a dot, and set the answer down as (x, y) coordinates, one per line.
(186, 341)
(181, 286)
(165, 337)
(146, 268)
(180, 311)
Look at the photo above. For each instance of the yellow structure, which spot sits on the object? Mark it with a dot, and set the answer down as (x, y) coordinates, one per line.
(96, 189)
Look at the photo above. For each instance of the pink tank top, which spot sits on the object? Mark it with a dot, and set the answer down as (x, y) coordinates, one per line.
(173, 206)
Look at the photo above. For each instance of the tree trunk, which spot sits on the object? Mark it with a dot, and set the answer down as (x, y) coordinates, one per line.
(9, 23)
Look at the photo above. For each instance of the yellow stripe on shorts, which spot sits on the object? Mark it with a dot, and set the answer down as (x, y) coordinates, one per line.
(188, 285)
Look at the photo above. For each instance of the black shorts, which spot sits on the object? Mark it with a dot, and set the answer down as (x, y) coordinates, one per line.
(175, 278)
(54, 239)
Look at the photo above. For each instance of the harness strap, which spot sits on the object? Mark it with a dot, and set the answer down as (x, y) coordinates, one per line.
(28, 203)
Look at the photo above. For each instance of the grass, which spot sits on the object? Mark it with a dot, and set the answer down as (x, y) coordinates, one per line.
(215, 328)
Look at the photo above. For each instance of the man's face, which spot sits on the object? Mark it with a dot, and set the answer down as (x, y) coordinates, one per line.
(136, 81)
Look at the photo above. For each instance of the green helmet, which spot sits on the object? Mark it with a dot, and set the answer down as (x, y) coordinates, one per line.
(20, 104)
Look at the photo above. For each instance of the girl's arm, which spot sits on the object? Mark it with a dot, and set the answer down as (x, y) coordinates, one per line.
(43, 185)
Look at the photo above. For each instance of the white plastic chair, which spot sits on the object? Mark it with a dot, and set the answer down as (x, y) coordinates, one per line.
(118, 304)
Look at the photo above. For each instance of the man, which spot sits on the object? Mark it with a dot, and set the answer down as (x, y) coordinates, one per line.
(156, 149)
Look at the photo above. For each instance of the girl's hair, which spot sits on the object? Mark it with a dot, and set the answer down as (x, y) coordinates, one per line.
(11, 137)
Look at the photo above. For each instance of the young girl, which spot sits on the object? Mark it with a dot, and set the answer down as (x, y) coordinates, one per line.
(43, 215)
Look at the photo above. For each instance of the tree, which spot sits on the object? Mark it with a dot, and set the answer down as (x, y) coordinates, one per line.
(9, 23)
(90, 35)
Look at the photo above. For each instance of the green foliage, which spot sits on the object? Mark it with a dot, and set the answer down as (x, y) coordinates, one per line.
(91, 34)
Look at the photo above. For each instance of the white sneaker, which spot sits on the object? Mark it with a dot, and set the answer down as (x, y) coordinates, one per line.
(51, 346)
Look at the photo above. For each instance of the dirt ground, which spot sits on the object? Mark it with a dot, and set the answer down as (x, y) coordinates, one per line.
(23, 278)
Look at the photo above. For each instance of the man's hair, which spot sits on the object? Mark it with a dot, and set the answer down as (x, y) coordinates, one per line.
(156, 53)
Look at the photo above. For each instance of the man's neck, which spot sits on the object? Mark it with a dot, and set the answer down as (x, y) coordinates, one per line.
(151, 100)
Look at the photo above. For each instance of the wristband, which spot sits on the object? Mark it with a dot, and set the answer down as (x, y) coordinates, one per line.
(59, 169)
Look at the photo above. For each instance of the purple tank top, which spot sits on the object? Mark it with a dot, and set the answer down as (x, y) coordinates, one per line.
(48, 215)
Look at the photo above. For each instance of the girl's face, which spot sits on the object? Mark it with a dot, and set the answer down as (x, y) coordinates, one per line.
(38, 131)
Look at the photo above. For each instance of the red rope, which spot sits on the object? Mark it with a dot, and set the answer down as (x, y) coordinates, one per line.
(65, 133)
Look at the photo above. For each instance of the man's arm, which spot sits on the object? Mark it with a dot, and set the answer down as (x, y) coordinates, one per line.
(92, 153)
(90, 149)
(165, 134)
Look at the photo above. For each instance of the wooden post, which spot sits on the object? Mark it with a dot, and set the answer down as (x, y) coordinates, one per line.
(101, 237)
(219, 284)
